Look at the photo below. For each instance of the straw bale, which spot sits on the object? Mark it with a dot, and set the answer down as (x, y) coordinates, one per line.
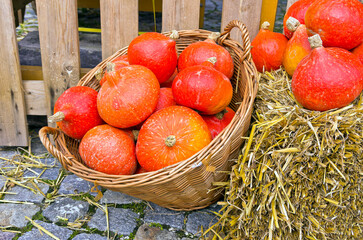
(299, 176)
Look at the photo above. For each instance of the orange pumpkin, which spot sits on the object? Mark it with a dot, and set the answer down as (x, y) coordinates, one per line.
(128, 96)
(203, 88)
(217, 122)
(118, 63)
(268, 49)
(156, 52)
(169, 136)
(358, 51)
(297, 47)
(109, 150)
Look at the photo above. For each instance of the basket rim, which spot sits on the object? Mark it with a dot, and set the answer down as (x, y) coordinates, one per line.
(171, 172)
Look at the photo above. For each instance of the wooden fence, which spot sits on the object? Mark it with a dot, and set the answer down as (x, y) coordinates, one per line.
(22, 93)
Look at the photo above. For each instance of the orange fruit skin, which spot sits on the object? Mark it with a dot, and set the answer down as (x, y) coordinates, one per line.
(296, 10)
(202, 88)
(156, 52)
(268, 50)
(297, 48)
(109, 150)
(120, 62)
(188, 127)
(327, 78)
(217, 125)
(358, 51)
(166, 99)
(198, 52)
(128, 96)
(338, 22)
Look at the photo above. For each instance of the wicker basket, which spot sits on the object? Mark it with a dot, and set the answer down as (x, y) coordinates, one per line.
(187, 185)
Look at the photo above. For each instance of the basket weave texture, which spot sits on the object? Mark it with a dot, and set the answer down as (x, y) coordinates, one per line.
(190, 184)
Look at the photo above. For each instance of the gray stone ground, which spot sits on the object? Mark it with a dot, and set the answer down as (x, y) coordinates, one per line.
(38, 197)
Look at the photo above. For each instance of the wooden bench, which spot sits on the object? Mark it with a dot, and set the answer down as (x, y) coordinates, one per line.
(58, 32)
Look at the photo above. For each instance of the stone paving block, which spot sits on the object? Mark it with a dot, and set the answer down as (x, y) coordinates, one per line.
(66, 208)
(26, 195)
(8, 153)
(48, 174)
(85, 236)
(6, 235)
(73, 184)
(118, 198)
(199, 218)
(121, 221)
(146, 232)
(14, 214)
(157, 214)
(60, 232)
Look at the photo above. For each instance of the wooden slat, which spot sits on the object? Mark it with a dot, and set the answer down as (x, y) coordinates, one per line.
(289, 3)
(180, 14)
(59, 44)
(119, 24)
(35, 97)
(247, 11)
(13, 124)
(268, 12)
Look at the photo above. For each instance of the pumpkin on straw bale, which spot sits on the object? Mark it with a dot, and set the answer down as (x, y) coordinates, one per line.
(300, 175)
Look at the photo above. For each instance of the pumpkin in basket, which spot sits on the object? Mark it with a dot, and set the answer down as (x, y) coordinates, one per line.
(217, 122)
(109, 150)
(171, 135)
(75, 111)
(118, 63)
(203, 88)
(156, 52)
(128, 96)
(198, 52)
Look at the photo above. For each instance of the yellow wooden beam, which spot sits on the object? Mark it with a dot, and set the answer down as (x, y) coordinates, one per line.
(268, 12)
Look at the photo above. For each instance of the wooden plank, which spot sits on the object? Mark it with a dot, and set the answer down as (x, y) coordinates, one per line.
(289, 3)
(119, 24)
(247, 11)
(59, 44)
(180, 15)
(268, 12)
(36, 73)
(13, 124)
(35, 97)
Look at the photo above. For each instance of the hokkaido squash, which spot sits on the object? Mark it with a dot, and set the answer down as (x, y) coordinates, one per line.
(268, 49)
(297, 10)
(156, 52)
(198, 52)
(297, 47)
(128, 96)
(75, 111)
(217, 122)
(338, 22)
(327, 78)
(202, 88)
(358, 51)
(165, 99)
(109, 150)
(119, 62)
(169, 136)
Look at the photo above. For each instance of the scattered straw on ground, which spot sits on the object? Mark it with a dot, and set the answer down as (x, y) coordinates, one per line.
(300, 172)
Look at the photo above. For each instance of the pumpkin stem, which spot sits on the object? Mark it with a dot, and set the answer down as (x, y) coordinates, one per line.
(110, 67)
(174, 34)
(170, 141)
(315, 41)
(56, 117)
(292, 24)
(98, 74)
(220, 115)
(265, 25)
(212, 60)
(214, 36)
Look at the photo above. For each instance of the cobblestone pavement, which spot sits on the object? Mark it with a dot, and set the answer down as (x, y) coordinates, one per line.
(40, 200)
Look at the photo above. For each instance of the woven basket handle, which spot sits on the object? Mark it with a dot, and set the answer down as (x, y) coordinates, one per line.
(44, 132)
(246, 43)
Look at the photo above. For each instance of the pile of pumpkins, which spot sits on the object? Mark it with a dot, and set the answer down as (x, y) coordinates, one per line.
(154, 108)
(321, 49)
